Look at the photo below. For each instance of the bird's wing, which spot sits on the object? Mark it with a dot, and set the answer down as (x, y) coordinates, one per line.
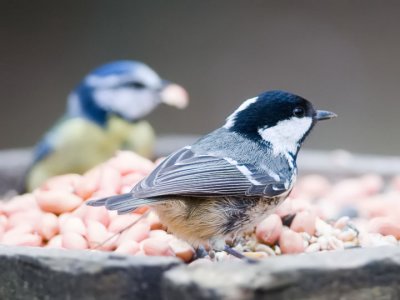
(185, 173)
(76, 135)
(47, 144)
(72, 146)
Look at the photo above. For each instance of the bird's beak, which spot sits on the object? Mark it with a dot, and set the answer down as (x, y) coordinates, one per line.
(174, 95)
(324, 115)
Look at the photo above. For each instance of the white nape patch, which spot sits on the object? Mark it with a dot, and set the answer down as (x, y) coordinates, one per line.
(242, 169)
(129, 103)
(285, 135)
(230, 121)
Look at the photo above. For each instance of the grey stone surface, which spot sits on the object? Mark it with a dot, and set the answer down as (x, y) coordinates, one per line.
(372, 273)
(37, 273)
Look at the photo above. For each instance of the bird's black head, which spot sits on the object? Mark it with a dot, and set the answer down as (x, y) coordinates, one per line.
(279, 118)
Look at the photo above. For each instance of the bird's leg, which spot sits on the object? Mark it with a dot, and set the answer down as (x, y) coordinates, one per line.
(233, 252)
(220, 245)
(239, 255)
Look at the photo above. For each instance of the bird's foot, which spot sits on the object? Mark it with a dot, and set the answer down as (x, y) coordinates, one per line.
(239, 255)
(219, 244)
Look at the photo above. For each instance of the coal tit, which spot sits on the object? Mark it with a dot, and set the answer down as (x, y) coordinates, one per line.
(232, 178)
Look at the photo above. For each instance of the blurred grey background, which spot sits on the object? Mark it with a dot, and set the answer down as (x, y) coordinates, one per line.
(341, 55)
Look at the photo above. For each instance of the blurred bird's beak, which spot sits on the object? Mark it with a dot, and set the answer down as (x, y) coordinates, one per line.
(174, 95)
(324, 115)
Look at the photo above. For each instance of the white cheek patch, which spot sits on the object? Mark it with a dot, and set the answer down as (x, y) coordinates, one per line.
(230, 121)
(286, 135)
(126, 102)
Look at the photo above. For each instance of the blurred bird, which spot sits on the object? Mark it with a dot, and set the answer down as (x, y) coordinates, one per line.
(104, 113)
(230, 179)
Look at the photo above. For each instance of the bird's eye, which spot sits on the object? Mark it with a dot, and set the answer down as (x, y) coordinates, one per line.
(298, 112)
(136, 84)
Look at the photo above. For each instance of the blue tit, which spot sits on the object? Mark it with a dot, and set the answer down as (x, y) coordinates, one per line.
(104, 113)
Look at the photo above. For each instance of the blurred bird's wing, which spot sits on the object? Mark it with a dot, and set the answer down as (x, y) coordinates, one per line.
(49, 141)
(73, 145)
(76, 137)
(44, 148)
(188, 174)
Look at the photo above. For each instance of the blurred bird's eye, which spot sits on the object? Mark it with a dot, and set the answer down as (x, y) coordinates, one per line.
(135, 84)
(298, 112)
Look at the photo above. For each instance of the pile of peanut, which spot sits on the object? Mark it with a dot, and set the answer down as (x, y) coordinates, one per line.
(317, 216)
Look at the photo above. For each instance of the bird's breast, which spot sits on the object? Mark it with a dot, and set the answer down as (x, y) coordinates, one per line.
(199, 220)
(251, 212)
(138, 136)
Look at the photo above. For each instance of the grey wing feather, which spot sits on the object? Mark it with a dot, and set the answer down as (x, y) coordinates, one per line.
(187, 174)
(124, 203)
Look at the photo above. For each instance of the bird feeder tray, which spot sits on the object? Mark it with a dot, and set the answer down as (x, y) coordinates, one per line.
(41, 273)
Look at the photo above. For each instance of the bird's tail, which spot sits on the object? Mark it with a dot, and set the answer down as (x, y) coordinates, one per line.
(124, 203)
